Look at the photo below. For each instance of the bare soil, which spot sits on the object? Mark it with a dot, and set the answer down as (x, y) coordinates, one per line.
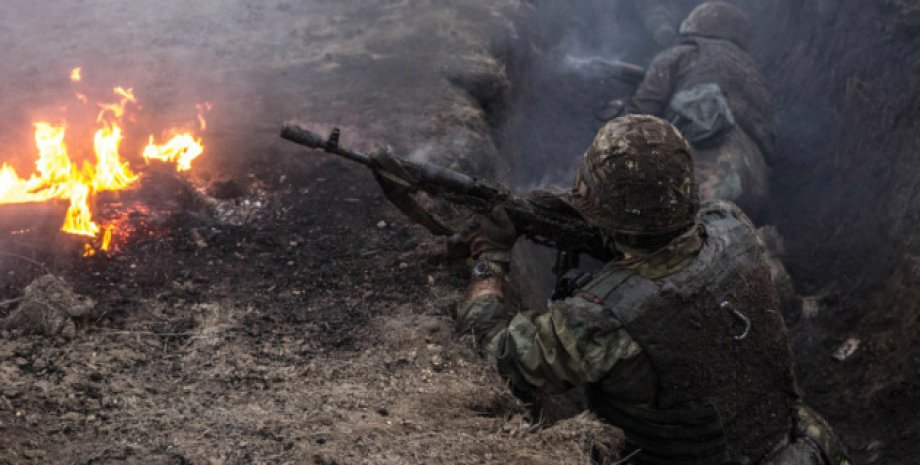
(316, 335)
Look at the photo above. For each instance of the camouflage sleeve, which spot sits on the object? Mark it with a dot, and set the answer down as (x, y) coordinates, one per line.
(654, 93)
(575, 343)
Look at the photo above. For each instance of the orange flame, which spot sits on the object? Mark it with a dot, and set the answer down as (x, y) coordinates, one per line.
(117, 110)
(182, 149)
(79, 218)
(57, 177)
(111, 173)
(107, 238)
(202, 109)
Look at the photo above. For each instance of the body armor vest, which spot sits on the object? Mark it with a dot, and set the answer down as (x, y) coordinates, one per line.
(717, 342)
(724, 63)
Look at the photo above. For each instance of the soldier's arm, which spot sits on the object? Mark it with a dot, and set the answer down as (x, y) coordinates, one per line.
(654, 93)
(576, 342)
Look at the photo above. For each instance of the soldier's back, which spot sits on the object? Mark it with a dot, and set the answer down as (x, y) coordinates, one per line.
(713, 332)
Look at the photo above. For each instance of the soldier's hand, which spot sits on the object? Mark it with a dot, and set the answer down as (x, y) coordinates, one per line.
(490, 236)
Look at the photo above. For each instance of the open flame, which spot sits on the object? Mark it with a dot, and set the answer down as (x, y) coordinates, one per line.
(58, 177)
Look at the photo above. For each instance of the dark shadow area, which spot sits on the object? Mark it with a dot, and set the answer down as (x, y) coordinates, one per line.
(844, 185)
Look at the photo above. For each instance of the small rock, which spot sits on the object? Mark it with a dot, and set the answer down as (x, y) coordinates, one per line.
(198, 239)
(403, 265)
(430, 280)
(383, 412)
(33, 453)
(381, 224)
(846, 349)
(811, 306)
(49, 307)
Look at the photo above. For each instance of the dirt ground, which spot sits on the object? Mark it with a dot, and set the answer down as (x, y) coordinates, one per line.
(301, 319)
(315, 336)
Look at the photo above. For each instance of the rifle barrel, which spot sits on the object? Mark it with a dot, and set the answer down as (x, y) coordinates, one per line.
(311, 139)
(429, 174)
(563, 230)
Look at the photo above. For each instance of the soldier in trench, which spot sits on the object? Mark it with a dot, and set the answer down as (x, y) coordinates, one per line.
(660, 19)
(679, 343)
(711, 89)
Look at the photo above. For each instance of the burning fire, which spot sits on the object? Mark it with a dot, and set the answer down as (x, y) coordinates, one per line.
(58, 177)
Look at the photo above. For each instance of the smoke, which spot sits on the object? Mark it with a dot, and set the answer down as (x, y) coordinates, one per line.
(562, 87)
(588, 65)
(174, 54)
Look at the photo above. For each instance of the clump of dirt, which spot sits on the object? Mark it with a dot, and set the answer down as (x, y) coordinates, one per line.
(49, 307)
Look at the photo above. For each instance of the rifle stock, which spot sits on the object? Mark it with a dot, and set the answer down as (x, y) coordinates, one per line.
(562, 228)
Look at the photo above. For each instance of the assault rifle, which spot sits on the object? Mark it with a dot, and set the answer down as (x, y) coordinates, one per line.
(544, 219)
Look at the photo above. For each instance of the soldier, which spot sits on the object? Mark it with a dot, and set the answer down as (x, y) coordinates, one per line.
(680, 342)
(710, 88)
(661, 18)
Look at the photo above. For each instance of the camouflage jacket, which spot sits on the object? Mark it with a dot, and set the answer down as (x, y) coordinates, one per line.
(697, 61)
(657, 382)
(577, 341)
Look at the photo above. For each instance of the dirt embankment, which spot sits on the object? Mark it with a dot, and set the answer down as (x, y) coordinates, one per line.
(845, 77)
(303, 320)
(844, 190)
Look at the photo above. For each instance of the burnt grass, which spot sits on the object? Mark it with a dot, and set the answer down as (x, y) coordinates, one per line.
(318, 333)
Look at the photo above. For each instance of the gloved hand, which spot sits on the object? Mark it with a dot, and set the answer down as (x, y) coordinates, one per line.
(490, 237)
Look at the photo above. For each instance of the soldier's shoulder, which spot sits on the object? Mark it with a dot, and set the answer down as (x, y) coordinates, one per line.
(724, 215)
(620, 291)
(729, 234)
(583, 313)
(675, 53)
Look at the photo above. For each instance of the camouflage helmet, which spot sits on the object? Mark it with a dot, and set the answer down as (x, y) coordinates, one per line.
(637, 178)
(718, 20)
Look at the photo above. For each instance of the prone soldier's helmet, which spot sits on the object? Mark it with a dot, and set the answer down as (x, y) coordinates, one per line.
(637, 179)
(718, 20)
